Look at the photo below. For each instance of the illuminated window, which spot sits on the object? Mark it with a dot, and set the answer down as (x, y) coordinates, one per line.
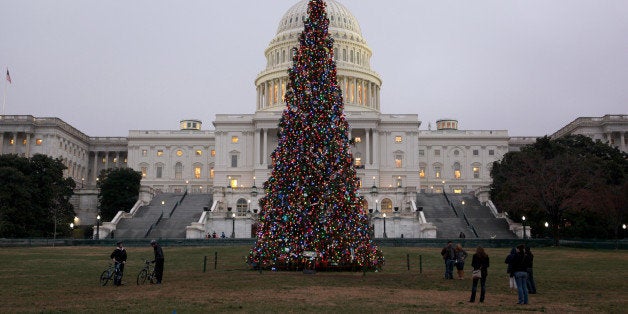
(233, 182)
(159, 172)
(457, 173)
(437, 171)
(160, 152)
(234, 139)
(144, 153)
(476, 172)
(11, 142)
(144, 169)
(358, 140)
(399, 182)
(115, 159)
(358, 161)
(24, 142)
(179, 153)
(398, 161)
(422, 172)
(38, 141)
(437, 152)
(104, 160)
(213, 153)
(199, 152)
(125, 160)
(211, 172)
(398, 139)
(197, 172)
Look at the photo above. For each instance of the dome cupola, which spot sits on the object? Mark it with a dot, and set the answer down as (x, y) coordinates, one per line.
(359, 84)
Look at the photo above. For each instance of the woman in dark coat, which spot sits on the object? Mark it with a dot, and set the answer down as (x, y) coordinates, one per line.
(480, 261)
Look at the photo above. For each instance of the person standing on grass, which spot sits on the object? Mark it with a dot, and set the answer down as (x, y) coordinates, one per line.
(511, 275)
(119, 259)
(159, 260)
(520, 265)
(461, 255)
(480, 261)
(449, 256)
(530, 283)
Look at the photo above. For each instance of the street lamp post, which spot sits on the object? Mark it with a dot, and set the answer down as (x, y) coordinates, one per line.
(523, 223)
(97, 227)
(82, 182)
(385, 235)
(233, 225)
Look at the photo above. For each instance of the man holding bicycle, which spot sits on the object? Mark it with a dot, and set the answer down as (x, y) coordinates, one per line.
(159, 260)
(119, 258)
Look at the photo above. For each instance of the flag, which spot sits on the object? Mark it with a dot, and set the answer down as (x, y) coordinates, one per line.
(8, 76)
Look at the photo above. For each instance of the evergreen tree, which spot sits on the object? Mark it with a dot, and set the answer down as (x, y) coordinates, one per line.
(312, 202)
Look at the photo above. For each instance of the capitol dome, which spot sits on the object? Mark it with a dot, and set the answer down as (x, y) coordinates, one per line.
(360, 85)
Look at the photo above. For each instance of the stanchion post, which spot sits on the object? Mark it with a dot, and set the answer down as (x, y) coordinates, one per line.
(420, 264)
(408, 260)
(215, 260)
(205, 263)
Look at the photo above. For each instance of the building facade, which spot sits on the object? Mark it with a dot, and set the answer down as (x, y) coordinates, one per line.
(394, 159)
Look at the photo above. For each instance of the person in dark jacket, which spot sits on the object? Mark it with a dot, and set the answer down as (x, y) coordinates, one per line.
(159, 260)
(520, 265)
(480, 261)
(119, 259)
(530, 283)
(511, 275)
(449, 256)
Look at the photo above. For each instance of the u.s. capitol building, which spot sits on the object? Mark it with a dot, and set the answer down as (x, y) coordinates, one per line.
(395, 160)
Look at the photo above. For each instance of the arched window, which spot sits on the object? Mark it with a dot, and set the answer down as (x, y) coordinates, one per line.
(457, 173)
(178, 171)
(387, 206)
(242, 207)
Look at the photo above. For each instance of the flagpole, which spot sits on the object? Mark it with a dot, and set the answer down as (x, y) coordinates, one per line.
(4, 97)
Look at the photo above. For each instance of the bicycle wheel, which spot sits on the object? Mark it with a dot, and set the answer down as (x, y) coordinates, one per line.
(104, 277)
(141, 277)
(153, 279)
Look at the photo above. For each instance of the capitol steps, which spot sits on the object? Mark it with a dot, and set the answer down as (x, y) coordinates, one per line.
(189, 210)
(437, 210)
(137, 226)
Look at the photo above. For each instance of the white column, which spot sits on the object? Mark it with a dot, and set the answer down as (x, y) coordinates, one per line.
(367, 158)
(265, 149)
(256, 158)
(95, 172)
(15, 142)
(375, 146)
(28, 145)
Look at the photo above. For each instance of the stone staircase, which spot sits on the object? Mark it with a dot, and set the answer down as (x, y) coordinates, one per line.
(450, 222)
(188, 211)
(136, 227)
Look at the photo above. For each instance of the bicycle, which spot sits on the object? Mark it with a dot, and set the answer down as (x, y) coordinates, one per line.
(109, 273)
(146, 274)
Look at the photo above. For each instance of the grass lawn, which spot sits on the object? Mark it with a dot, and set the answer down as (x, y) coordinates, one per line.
(65, 279)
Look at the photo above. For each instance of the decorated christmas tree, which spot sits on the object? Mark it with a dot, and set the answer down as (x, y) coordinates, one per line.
(312, 212)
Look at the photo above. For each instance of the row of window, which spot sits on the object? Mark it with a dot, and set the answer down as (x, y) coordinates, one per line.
(437, 152)
(178, 152)
(457, 171)
(197, 171)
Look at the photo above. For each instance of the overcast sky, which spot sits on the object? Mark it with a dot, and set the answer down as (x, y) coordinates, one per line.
(107, 67)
